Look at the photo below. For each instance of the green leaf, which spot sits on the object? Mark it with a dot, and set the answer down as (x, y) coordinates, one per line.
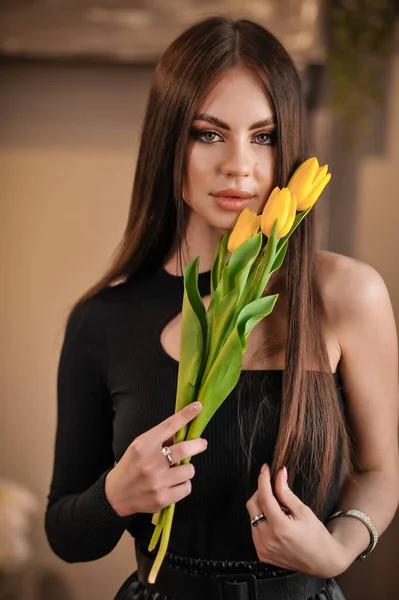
(192, 341)
(252, 314)
(193, 295)
(221, 380)
(218, 325)
(236, 272)
(260, 272)
(282, 245)
(233, 278)
(267, 261)
(280, 256)
(219, 261)
(226, 368)
(244, 255)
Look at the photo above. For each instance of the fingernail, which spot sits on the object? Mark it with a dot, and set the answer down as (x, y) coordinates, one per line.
(263, 468)
(285, 475)
(195, 406)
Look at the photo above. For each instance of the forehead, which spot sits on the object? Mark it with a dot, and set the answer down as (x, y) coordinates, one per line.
(238, 96)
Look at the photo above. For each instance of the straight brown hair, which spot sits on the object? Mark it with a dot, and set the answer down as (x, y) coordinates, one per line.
(311, 425)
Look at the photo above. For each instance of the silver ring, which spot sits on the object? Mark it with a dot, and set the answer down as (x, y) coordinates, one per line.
(166, 451)
(256, 520)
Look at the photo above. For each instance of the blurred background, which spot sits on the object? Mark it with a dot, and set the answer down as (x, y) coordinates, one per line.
(74, 79)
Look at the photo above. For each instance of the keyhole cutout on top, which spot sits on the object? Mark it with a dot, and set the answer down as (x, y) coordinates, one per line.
(255, 358)
(170, 335)
(266, 343)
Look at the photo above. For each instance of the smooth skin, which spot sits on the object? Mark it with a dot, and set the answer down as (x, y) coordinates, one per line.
(359, 327)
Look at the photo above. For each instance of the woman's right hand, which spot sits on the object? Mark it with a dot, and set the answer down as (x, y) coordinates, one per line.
(143, 481)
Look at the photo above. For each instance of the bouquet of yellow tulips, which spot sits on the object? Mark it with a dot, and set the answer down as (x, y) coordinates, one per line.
(213, 341)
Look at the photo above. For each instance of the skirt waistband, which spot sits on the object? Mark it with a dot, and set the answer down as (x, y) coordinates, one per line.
(180, 584)
(209, 567)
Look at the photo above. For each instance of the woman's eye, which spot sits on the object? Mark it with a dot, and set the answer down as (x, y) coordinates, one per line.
(266, 138)
(209, 136)
(204, 135)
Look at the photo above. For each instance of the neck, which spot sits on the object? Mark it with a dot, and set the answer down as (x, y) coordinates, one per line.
(201, 240)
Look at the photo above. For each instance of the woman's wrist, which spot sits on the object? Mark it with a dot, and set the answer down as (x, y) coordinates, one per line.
(352, 536)
(109, 490)
(338, 560)
(359, 515)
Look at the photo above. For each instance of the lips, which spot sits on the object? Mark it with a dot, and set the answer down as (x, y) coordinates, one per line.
(234, 194)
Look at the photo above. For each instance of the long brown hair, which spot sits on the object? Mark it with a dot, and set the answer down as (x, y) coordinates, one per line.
(311, 427)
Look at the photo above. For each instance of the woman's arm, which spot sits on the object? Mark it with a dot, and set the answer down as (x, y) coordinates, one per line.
(80, 523)
(359, 312)
(365, 326)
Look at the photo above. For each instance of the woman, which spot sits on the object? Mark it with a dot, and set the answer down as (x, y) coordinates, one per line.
(225, 123)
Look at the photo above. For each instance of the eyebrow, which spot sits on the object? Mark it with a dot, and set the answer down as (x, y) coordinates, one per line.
(215, 121)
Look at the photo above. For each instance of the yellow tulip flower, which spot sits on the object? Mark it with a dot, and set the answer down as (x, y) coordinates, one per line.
(247, 225)
(291, 218)
(307, 183)
(281, 206)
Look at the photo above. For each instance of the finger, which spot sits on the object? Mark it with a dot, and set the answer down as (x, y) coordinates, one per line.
(187, 449)
(255, 510)
(180, 474)
(254, 507)
(167, 428)
(177, 492)
(267, 499)
(286, 496)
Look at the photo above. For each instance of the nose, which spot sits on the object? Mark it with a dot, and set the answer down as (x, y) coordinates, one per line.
(237, 162)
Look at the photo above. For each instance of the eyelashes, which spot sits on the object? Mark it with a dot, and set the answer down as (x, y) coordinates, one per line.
(200, 135)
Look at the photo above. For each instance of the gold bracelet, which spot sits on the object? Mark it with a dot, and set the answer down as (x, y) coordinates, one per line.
(360, 516)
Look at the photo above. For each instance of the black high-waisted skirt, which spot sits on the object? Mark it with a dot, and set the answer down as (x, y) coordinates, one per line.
(184, 578)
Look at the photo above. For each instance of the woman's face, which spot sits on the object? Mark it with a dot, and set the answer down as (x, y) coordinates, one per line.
(231, 151)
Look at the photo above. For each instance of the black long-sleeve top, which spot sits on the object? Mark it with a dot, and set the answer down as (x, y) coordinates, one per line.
(115, 382)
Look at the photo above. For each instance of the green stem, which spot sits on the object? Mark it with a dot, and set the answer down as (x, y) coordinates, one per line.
(164, 543)
(158, 529)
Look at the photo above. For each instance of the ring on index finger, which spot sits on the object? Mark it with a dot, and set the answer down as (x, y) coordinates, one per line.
(258, 519)
(166, 451)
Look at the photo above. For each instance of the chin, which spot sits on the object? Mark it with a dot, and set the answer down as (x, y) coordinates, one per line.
(223, 222)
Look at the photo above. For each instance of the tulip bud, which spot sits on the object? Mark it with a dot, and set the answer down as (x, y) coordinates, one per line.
(247, 225)
(291, 218)
(279, 206)
(307, 183)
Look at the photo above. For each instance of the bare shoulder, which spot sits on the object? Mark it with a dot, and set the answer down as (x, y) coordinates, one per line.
(349, 288)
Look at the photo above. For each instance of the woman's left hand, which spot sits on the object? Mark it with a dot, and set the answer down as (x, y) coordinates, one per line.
(295, 538)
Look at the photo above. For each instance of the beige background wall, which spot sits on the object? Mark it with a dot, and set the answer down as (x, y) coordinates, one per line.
(68, 145)
(376, 239)
(376, 242)
(69, 141)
